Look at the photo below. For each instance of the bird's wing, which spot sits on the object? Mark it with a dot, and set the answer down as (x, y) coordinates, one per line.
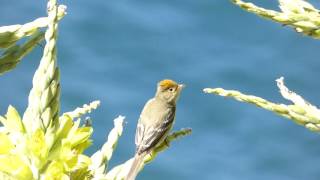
(148, 137)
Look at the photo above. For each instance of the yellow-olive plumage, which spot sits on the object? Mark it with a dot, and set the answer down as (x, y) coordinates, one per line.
(156, 120)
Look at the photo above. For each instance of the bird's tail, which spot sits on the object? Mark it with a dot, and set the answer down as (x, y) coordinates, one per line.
(135, 167)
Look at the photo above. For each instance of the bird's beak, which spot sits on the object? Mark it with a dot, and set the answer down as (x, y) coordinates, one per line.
(181, 86)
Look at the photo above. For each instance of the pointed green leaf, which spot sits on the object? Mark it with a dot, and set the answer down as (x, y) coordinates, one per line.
(55, 171)
(80, 136)
(37, 148)
(12, 122)
(14, 166)
(68, 156)
(5, 144)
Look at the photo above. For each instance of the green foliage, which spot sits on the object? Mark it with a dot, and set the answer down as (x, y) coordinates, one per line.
(301, 112)
(10, 35)
(40, 154)
(41, 145)
(120, 171)
(298, 14)
(305, 19)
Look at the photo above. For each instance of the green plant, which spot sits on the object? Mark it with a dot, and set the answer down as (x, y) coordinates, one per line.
(42, 144)
(298, 14)
(305, 19)
(301, 112)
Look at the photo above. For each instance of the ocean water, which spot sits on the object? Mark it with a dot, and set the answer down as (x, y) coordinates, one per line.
(116, 52)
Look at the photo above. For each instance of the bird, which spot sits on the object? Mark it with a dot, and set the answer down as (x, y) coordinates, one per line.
(155, 122)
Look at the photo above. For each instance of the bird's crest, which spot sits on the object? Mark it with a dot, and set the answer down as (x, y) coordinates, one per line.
(167, 83)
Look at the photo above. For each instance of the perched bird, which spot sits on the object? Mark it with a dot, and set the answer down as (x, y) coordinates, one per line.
(155, 122)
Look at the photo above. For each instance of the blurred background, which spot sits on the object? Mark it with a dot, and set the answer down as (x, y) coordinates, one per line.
(116, 52)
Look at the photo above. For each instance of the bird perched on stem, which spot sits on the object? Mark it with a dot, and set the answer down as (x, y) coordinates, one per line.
(155, 122)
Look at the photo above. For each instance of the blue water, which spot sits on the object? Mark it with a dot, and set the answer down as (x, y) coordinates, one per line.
(116, 51)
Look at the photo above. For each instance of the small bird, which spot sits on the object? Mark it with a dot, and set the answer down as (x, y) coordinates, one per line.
(155, 122)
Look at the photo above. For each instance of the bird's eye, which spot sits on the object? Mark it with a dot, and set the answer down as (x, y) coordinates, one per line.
(171, 89)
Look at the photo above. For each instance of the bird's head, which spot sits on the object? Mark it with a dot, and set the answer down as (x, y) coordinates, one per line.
(169, 91)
